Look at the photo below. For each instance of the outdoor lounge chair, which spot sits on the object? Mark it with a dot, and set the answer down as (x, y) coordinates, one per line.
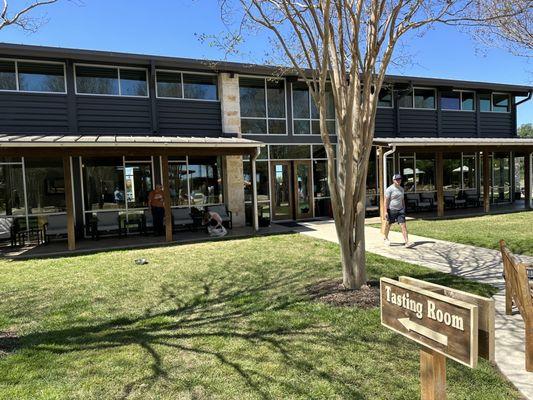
(106, 222)
(412, 201)
(225, 214)
(182, 217)
(427, 200)
(451, 199)
(8, 229)
(471, 197)
(56, 225)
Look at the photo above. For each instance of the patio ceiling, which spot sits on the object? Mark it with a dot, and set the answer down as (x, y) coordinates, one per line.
(458, 144)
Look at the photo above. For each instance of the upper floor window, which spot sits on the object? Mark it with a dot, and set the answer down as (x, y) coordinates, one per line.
(458, 100)
(420, 98)
(385, 98)
(111, 81)
(180, 85)
(263, 107)
(494, 102)
(305, 113)
(32, 76)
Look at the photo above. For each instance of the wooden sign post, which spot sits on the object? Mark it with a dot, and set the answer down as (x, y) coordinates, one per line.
(444, 326)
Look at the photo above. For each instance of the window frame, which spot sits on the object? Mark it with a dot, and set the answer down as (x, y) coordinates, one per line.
(181, 72)
(118, 68)
(266, 118)
(413, 98)
(310, 119)
(17, 60)
(492, 103)
(461, 91)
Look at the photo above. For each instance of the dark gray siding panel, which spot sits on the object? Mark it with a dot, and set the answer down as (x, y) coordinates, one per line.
(385, 122)
(496, 125)
(33, 113)
(458, 124)
(189, 118)
(418, 123)
(100, 114)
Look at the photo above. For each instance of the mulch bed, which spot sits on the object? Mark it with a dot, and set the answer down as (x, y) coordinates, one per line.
(333, 293)
(8, 342)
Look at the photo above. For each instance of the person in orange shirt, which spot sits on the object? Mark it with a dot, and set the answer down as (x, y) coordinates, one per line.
(156, 202)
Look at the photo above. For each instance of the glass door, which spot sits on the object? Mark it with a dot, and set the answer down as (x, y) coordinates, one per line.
(303, 194)
(281, 191)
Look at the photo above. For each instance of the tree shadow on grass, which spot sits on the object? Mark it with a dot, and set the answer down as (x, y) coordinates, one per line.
(221, 308)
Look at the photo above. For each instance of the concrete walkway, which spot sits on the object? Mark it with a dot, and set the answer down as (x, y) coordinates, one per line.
(475, 263)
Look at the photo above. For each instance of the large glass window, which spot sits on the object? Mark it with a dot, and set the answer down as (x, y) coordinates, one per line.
(452, 171)
(111, 81)
(425, 173)
(485, 102)
(501, 177)
(385, 98)
(103, 183)
(418, 98)
(205, 174)
(284, 152)
(306, 118)
(11, 190)
(262, 102)
(178, 182)
(36, 77)
(45, 185)
(469, 171)
(138, 183)
(407, 168)
(32, 76)
(169, 84)
(495, 102)
(201, 87)
(8, 77)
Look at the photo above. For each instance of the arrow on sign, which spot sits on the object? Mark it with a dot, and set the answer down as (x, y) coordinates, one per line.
(422, 330)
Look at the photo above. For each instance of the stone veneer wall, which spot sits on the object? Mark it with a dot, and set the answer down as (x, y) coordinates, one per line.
(231, 124)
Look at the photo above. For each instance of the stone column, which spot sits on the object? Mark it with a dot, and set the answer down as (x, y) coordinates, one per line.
(233, 179)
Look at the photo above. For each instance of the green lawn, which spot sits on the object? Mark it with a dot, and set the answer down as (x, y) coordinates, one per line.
(484, 231)
(224, 320)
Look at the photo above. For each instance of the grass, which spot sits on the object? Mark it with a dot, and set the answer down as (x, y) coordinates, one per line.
(484, 231)
(224, 320)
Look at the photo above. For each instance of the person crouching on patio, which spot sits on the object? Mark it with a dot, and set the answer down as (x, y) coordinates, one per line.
(214, 224)
(156, 202)
(395, 206)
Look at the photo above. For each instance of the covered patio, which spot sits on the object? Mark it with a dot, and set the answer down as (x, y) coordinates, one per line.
(73, 180)
(447, 177)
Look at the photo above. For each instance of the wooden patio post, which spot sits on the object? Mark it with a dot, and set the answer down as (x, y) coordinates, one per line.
(69, 203)
(432, 375)
(486, 180)
(381, 187)
(527, 180)
(440, 183)
(166, 194)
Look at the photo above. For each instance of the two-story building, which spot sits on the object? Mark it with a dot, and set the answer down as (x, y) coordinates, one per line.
(86, 132)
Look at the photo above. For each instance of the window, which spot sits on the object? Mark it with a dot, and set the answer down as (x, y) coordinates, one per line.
(385, 98)
(457, 100)
(263, 106)
(45, 185)
(418, 98)
(205, 174)
(284, 152)
(104, 183)
(111, 81)
(495, 102)
(32, 76)
(500, 102)
(306, 118)
(12, 189)
(138, 183)
(178, 183)
(169, 84)
(200, 87)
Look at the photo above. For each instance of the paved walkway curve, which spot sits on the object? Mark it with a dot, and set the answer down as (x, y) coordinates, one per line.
(475, 263)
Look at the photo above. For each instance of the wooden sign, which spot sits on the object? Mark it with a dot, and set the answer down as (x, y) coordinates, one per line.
(442, 324)
(486, 313)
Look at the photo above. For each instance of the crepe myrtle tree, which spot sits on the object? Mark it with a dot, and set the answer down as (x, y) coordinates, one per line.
(22, 16)
(343, 47)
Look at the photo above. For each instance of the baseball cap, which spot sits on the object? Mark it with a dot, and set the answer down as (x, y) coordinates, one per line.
(396, 176)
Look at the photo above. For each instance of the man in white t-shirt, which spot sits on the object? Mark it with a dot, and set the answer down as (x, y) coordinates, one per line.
(395, 209)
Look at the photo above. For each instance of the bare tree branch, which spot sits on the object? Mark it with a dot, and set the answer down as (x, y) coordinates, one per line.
(21, 18)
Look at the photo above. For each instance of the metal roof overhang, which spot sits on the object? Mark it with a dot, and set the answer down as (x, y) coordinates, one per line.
(458, 144)
(131, 144)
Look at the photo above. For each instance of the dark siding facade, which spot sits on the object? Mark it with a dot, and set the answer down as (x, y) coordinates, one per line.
(119, 115)
(189, 117)
(33, 113)
(497, 124)
(385, 122)
(458, 124)
(417, 123)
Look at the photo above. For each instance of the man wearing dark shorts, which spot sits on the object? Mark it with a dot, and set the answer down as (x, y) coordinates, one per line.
(395, 206)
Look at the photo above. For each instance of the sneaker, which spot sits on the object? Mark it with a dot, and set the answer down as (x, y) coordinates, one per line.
(386, 242)
(408, 245)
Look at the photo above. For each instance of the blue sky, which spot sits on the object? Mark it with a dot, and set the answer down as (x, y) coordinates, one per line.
(170, 27)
